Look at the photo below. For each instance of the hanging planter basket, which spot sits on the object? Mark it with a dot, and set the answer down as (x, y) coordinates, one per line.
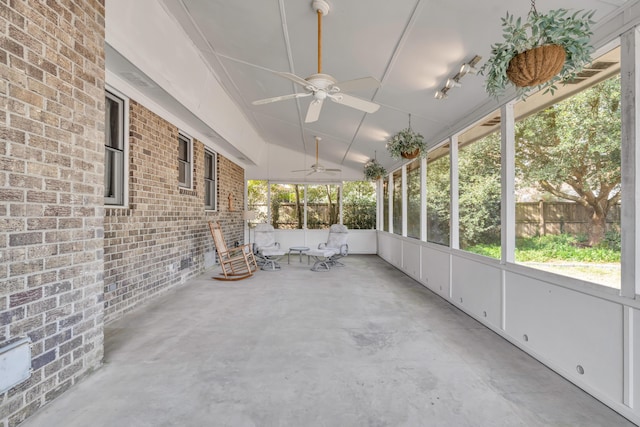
(539, 51)
(407, 144)
(410, 155)
(536, 66)
(373, 170)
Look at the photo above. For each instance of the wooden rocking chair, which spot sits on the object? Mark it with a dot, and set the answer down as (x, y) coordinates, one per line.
(236, 263)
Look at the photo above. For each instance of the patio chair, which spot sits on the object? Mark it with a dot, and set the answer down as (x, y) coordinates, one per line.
(236, 263)
(327, 254)
(266, 248)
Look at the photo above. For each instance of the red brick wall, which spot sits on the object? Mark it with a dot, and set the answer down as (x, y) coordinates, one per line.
(51, 193)
(161, 238)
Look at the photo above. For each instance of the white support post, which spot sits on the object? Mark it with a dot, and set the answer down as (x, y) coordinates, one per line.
(454, 227)
(340, 202)
(423, 199)
(390, 196)
(507, 183)
(630, 209)
(404, 200)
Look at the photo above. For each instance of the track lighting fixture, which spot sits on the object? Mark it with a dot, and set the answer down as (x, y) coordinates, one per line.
(466, 68)
(440, 94)
(451, 83)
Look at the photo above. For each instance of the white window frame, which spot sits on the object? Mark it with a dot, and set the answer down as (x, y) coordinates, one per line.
(120, 199)
(188, 182)
(214, 171)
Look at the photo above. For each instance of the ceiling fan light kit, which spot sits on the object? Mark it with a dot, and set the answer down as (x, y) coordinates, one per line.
(322, 86)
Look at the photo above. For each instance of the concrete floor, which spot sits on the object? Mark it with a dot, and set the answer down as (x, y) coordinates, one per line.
(362, 345)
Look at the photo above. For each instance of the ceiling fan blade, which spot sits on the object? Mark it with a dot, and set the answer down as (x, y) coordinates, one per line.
(312, 172)
(364, 83)
(299, 80)
(333, 170)
(313, 113)
(354, 102)
(280, 98)
(302, 170)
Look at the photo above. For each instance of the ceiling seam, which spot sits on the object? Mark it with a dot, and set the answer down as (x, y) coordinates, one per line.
(224, 69)
(287, 43)
(392, 60)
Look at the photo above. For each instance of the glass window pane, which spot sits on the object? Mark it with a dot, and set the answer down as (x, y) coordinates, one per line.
(413, 199)
(359, 205)
(182, 173)
(438, 196)
(208, 166)
(568, 182)
(183, 149)
(113, 119)
(397, 202)
(479, 189)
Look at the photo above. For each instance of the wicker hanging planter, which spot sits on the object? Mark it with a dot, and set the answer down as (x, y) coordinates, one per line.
(406, 144)
(539, 51)
(536, 66)
(410, 155)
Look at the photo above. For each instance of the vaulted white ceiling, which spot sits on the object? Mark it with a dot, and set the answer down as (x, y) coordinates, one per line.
(410, 46)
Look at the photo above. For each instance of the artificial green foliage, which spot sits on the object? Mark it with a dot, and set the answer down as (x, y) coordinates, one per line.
(374, 170)
(571, 31)
(406, 141)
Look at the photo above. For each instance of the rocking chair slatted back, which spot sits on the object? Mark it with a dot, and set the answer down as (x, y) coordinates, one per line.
(236, 263)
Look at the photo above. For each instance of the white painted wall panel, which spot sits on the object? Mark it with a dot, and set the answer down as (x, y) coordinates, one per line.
(568, 328)
(436, 271)
(359, 241)
(478, 288)
(411, 258)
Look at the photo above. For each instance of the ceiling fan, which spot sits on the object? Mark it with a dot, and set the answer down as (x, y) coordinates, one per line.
(323, 86)
(317, 167)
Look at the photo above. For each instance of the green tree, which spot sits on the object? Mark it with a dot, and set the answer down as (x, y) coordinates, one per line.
(572, 151)
(479, 191)
(359, 204)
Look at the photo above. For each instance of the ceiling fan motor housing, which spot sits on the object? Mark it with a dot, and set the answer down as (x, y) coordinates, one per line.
(322, 6)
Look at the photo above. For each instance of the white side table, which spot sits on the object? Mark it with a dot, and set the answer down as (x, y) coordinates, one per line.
(296, 249)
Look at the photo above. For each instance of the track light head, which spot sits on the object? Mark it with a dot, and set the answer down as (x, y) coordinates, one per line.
(451, 83)
(467, 69)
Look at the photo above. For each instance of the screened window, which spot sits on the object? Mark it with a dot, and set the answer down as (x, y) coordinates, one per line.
(397, 202)
(287, 206)
(568, 179)
(385, 204)
(185, 150)
(479, 188)
(359, 205)
(323, 205)
(413, 199)
(114, 147)
(438, 196)
(210, 189)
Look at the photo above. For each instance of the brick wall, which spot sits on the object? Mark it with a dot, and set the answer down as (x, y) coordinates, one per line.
(51, 193)
(161, 238)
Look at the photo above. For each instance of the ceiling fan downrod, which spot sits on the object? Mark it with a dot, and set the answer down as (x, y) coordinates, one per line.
(322, 8)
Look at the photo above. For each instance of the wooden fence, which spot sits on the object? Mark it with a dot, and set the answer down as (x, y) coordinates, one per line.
(541, 218)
